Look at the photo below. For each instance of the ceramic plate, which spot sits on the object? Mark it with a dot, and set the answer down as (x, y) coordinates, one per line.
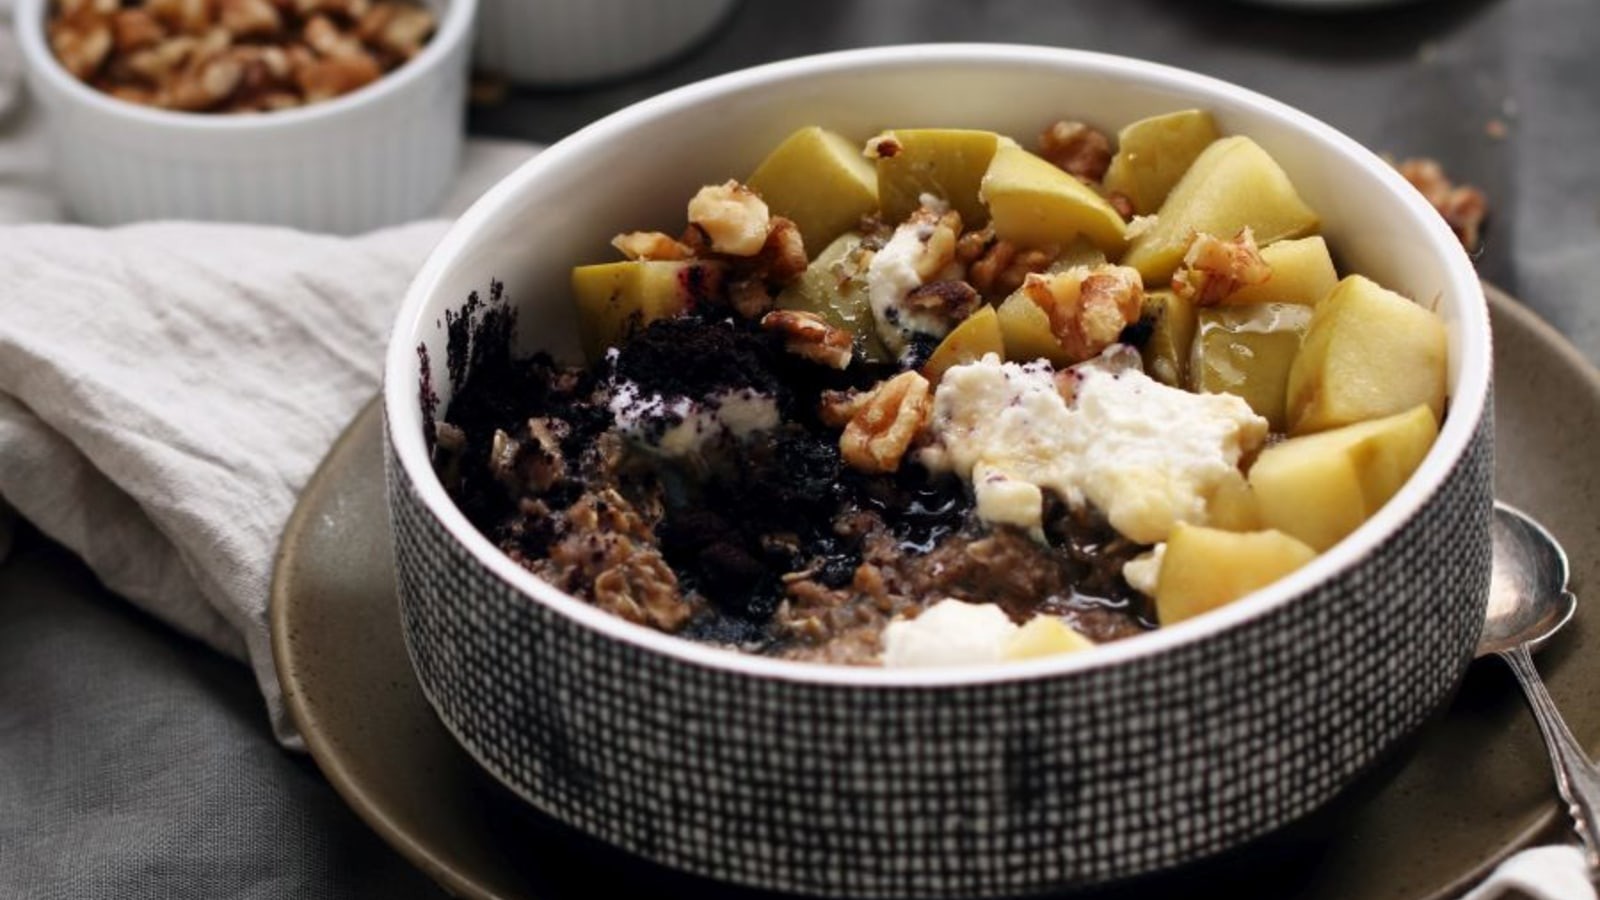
(1471, 787)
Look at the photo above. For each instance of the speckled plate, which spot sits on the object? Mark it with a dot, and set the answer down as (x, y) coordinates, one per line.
(1470, 788)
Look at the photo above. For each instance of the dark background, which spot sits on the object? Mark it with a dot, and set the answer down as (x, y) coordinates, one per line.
(146, 761)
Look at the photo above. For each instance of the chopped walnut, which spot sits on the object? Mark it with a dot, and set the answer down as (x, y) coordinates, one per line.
(753, 281)
(884, 146)
(733, 217)
(1088, 307)
(783, 256)
(234, 55)
(810, 337)
(135, 29)
(651, 245)
(996, 268)
(82, 42)
(749, 297)
(1214, 268)
(938, 229)
(837, 408)
(251, 18)
(948, 299)
(1123, 204)
(877, 436)
(1462, 206)
(1077, 149)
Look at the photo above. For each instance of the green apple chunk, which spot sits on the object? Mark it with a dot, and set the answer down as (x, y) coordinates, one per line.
(617, 299)
(1171, 320)
(1232, 185)
(946, 162)
(1153, 153)
(1025, 331)
(833, 287)
(1247, 351)
(820, 181)
(1205, 568)
(1368, 353)
(1302, 272)
(977, 335)
(1035, 204)
(1320, 487)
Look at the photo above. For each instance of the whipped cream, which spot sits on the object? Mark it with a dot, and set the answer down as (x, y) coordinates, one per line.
(893, 274)
(1145, 454)
(677, 427)
(948, 633)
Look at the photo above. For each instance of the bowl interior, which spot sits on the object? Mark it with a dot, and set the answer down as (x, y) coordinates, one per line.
(636, 170)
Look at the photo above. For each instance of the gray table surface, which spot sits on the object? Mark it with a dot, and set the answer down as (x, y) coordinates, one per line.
(135, 764)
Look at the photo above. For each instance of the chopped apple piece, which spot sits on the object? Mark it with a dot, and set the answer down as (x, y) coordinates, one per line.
(1044, 636)
(820, 181)
(1080, 251)
(1302, 272)
(1035, 204)
(977, 335)
(946, 162)
(1321, 487)
(1153, 153)
(1231, 186)
(1233, 507)
(833, 288)
(1205, 568)
(1171, 320)
(616, 299)
(1368, 353)
(1247, 351)
(1025, 331)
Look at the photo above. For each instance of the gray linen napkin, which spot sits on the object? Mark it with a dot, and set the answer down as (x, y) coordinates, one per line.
(166, 389)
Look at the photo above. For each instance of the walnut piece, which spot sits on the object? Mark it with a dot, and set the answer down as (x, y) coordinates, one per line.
(734, 218)
(949, 299)
(888, 420)
(1463, 207)
(810, 337)
(1214, 268)
(235, 55)
(82, 42)
(1076, 149)
(996, 268)
(938, 230)
(1088, 307)
(651, 245)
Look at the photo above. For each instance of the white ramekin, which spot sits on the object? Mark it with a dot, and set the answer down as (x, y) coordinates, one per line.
(564, 42)
(379, 156)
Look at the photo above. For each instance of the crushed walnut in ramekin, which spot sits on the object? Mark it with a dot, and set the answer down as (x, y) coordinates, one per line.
(234, 56)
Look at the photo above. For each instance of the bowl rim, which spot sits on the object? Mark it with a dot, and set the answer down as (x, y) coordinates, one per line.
(1468, 403)
(454, 27)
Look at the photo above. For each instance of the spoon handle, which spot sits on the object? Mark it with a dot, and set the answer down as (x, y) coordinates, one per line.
(1576, 777)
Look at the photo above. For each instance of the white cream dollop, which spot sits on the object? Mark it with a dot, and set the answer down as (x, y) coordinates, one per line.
(894, 273)
(1145, 454)
(681, 426)
(948, 633)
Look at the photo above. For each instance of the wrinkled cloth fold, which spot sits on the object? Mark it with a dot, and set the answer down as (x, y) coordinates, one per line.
(167, 389)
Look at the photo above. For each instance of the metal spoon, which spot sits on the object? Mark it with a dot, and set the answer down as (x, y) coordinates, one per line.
(1529, 602)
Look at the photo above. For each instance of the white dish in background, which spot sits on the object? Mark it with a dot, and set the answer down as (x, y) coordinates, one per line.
(378, 156)
(568, 42)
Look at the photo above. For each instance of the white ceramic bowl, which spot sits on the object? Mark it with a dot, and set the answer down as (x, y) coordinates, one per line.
(567, 42)
(381, 155)
(1008, 779)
